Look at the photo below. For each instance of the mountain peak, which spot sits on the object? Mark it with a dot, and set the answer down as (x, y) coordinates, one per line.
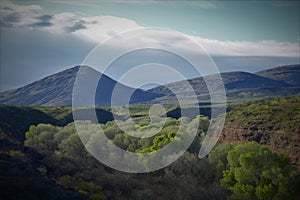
(77, 67)
(57, 89)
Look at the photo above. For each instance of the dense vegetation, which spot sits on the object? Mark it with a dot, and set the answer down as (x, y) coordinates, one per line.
(70, 165)
(255, 172)
(54, 164)
(274, 122)
(248, 170)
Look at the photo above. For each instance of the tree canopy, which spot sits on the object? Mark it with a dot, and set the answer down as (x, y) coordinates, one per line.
(255, 172)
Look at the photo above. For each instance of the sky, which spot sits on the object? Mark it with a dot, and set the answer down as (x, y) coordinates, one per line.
(39, 38)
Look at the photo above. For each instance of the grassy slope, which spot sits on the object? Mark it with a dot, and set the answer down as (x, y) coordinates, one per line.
(275, 123)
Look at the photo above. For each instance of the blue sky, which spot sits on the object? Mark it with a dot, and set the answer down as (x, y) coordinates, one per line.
(39, 38)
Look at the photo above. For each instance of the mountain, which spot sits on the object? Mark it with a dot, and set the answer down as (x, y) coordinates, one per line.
(56, 90)
(233, 81)
(289, 74)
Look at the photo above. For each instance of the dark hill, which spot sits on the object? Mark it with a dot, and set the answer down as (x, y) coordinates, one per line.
(51, 90)
(289, 74)
(56, 90)
(233, 81)
(16, 120)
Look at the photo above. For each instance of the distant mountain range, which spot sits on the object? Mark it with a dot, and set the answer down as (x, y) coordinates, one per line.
(289, 74)
(231, 80)
(240, 86)
(56, 90)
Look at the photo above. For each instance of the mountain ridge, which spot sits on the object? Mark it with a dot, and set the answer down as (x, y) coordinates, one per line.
(57, 89)
(289, 74)
(232, 81)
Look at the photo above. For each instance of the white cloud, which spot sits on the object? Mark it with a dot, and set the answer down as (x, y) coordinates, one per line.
(99, 28)
(19, 15)
(98, 33)
(20, 8)
(60, 22)
(247, 48)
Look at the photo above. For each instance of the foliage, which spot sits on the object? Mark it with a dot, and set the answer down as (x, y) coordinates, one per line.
(56, 153)
(255, 172)
(274, 122)
(218, 158)
(74, 168)
(281, 115)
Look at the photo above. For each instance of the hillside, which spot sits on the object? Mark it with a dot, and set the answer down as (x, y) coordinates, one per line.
(21, 117)
(21, 179)
(289, 74)
(15, 120)
(233, 81)
(272, 122)
(22, 175)
(56, 90)
(240, 87)
(37, 169)
(275, 123)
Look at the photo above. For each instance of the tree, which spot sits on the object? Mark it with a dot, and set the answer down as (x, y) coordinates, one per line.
(218, 158)
(41, 138)
(255, 172)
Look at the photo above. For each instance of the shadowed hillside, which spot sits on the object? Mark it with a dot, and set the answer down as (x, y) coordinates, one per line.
(57, 89)
(232, 81)
(289, 74)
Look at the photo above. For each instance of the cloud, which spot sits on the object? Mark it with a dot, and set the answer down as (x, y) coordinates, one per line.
(98, 32)
(62, 23)
(12, 18)
(248, 48)
(13, 15)
(77, 26)
(98, 28)
(41, 24)
(44, 21)
(45, 17)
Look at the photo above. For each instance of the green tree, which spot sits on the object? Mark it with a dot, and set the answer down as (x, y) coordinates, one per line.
(41, 138)
(255, 172)
(218, 158)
